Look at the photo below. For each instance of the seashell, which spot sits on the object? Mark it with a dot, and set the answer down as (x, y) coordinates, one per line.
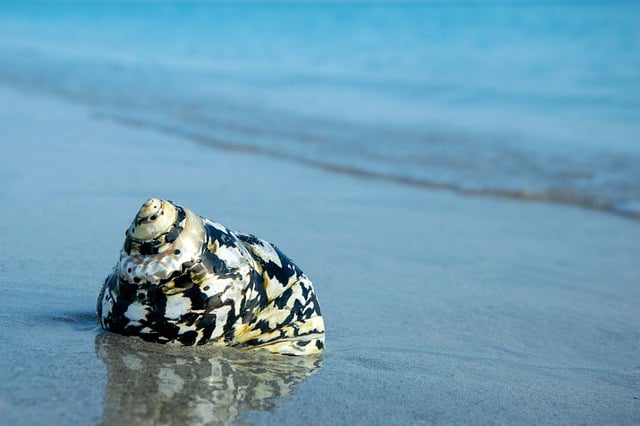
(188, 280)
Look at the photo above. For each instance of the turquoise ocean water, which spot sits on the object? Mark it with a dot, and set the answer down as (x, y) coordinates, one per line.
(527, 100)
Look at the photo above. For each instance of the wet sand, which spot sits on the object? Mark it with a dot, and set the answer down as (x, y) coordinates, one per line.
(439, 308)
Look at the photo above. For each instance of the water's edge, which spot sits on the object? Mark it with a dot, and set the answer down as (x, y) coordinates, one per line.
(490, 100)
(561, 198)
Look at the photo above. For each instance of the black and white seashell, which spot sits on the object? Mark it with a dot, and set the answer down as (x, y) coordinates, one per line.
(182, 278)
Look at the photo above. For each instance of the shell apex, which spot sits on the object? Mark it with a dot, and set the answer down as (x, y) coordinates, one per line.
(154, 218)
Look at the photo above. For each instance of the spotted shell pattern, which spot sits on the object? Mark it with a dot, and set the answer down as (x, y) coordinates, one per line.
(185, 279)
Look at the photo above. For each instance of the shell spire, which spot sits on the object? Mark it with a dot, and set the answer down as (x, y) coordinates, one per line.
(154, 218)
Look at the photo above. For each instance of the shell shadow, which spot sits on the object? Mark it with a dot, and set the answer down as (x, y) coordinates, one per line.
(160, 384)
(78, 320)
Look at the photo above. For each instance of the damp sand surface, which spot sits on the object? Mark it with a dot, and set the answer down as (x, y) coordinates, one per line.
(439, 308)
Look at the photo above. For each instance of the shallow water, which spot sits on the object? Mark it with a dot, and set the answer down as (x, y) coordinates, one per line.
(528, 100)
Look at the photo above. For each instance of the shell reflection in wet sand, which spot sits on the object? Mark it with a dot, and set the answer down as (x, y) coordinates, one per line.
(151, 384)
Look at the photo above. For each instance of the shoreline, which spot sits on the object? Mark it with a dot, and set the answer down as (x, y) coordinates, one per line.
(439, 308)
(559, 197)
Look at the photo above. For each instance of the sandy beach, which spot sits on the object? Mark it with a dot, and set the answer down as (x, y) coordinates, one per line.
(438, 308)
